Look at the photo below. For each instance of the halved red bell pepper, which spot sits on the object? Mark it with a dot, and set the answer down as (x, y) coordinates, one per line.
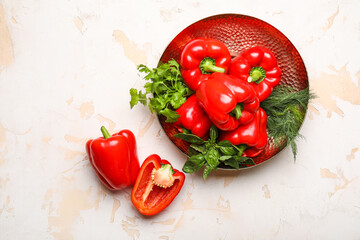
(156, 185)
(114, 158)
(201, 57)
(193, 118)
(252, 134)
(258, 66)
(227, 100)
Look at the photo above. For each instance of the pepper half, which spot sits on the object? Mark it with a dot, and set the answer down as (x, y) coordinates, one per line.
(258, 66)
(227, 100)
(253, 134)
(201, 57)
(193, 118)
(114, 158)
(156, 185)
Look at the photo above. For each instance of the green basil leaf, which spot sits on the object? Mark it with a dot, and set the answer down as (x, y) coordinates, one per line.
(228, 150)
(194, 163)
(225, 143)
(212, 157)
(207, 171)
(184, 130)
(232, 163)
(213, 133)
(191, 138)
(224, 157)
(199, 148)
(244, 160)
(239, 148)
(192, 152)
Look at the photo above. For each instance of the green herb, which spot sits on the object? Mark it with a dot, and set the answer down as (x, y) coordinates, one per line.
(165, 89)
(211, 154)
(286, 110)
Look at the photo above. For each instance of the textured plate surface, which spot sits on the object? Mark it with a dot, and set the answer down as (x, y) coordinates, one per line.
(240, 32)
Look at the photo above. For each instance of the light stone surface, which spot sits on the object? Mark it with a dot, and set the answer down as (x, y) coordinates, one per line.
(66, 68)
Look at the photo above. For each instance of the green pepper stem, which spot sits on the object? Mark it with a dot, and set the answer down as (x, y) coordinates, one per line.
(207, 66)
(105, 132)
(257, 74)
(237, 111)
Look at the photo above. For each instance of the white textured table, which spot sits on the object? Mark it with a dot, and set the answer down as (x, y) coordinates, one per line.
(66, 68)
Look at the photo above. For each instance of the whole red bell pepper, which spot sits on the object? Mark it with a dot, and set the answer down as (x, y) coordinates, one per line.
(156, 185)
(114, 158)
(258, 66)
(227, 100)
(201, 57)
(253, 134)
(193, 118)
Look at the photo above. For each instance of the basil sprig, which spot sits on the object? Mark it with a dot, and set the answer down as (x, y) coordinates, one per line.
(210, 153)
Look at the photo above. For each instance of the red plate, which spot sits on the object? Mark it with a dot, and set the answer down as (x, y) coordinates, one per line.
(240, 32)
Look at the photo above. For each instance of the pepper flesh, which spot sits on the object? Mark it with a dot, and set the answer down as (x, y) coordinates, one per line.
(193, 118)
(252, 134)
(201, 57)
(258, 66)
(147, 197)
(114, 159)
(221, 94)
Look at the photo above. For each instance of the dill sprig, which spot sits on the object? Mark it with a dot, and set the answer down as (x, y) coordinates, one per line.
(286, 110)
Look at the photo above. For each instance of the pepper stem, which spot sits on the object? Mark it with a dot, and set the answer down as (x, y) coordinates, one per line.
(105, 132)
(257, 74)
(238, 110)
(207, 66)
(163, 177)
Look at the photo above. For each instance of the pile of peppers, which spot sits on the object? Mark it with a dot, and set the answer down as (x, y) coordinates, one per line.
(228, 92)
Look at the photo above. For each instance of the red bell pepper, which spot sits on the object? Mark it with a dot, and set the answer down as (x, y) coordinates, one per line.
(227, 101)
(258, 66)
(193, 118)
(252, 134)
(200, 58)
(156, 185)
(114, 158)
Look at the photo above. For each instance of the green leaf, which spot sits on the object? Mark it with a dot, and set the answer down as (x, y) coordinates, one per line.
(137, 97)
(228, 146)
(184, 130)
(191, 138)
(194, 163)
(198, 147)
(171, 116)
(143, 68)
(207, 171)
(228, 150)
(224, 157)
(232, 163)
(244, 160)
(192, 152)
(212, 157)
(173, 63)
(177, 100)
(213, 133)
(158, 104)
